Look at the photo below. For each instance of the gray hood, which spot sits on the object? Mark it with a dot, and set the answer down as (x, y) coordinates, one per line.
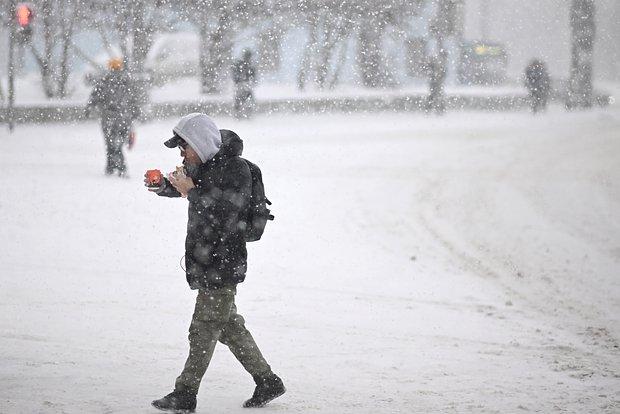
(201, 133)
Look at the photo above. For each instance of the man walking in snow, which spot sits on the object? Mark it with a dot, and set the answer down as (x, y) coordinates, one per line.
(217, 182)
(116, 98)
(538, 84)
(435, 101)
(244, 78)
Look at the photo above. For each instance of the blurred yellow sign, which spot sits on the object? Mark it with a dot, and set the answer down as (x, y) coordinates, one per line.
(488, 50)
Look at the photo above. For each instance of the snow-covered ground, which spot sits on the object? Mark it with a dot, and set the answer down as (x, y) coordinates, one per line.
(468, 263)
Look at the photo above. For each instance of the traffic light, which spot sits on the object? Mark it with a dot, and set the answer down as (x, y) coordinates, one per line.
(24, 16)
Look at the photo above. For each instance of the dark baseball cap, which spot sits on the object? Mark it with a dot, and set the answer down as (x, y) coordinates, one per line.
(174, 142)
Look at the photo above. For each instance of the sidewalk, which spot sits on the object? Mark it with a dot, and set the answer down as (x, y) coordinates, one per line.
(165, 102)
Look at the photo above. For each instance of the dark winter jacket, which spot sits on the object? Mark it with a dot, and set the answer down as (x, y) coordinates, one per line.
(437, 74)
(537, 79)
(116, 97)
(215, 252)
(243, 72)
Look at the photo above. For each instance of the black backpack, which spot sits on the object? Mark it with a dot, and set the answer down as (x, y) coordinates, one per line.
(258, 213)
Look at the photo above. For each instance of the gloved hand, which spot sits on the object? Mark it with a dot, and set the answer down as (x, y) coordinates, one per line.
(181, 182)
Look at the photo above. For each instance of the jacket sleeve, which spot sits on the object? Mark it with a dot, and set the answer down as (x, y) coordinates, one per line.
(167, 190)
(95, 98)
(134, 103)
(224, 205)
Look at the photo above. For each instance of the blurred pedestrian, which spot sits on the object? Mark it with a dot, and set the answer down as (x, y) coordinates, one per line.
(222, 189)
(435, 102)
(244, 78)
(116, 98)
(538, 84)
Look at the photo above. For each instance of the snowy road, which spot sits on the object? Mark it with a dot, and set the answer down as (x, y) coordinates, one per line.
(458, 264)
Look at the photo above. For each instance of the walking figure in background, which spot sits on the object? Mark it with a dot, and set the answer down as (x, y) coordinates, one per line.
(435, 102)
(116, 98)
(244, 77)
(538, 84)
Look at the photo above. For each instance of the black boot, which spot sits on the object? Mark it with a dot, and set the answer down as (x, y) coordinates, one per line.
(177, 401)
(268, 387)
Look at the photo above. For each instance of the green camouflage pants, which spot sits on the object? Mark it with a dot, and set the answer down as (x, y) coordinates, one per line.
(116, 134)
(216, 319)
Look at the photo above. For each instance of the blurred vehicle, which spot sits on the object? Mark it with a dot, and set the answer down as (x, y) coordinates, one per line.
(482, 63)
(173, 56)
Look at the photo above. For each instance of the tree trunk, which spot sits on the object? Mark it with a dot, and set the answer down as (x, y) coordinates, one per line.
(45, 61)
(123, 13)
(583, 33)
(342, 55)
(68, 22)
(219, 55)
(141, 36)
(203, 59)
(369, 53)
(442, 27)
(330, 31)
(269, 50)
(307, 65)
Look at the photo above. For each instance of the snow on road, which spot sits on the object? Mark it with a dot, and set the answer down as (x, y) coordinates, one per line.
(459, 264)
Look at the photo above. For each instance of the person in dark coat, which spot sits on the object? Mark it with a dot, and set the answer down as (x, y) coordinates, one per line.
(538, 84)
(435, 101)
(217, 182)
(116, 98)
(244, 78)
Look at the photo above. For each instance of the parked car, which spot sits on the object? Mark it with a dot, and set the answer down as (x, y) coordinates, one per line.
(173, 56)
(482, 63)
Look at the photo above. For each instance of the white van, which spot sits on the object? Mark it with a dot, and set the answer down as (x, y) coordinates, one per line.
(172, 56)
